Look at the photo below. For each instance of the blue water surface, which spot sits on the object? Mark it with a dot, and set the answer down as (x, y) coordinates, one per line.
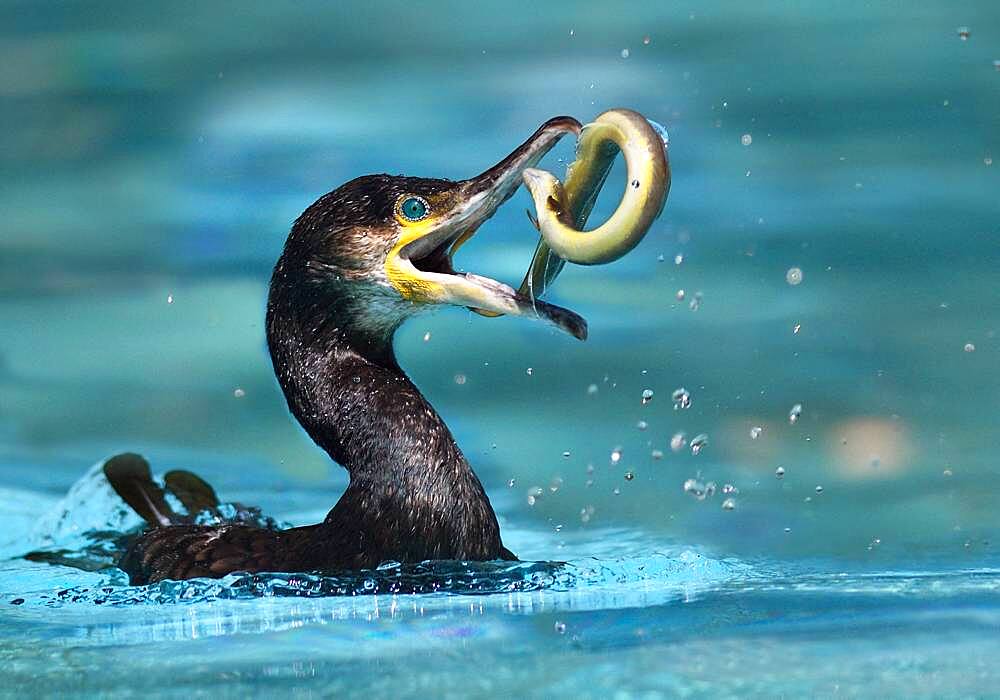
(151, 162)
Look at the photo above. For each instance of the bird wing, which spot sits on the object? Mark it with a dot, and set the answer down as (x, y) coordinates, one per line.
(129, 475)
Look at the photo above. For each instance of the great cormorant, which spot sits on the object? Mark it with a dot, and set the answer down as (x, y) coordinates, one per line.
(357, 263)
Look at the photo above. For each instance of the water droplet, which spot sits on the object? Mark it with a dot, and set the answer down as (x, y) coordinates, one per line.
(969, 347)
(987, 161)
(635, 184)
(534, 493)
(678, 259)
(698, 443)
(656, 454)
(529, 371)
(730, 490)
(645, 41)
(566, 454)
(729, 504)
(647, 396)
(629, 476)
(963, 33)
(746, 139)
(357, 380)
(819, 489)
(796, 328)
(586, 513)
(755, 432)
(794, 276)
(678, 441)
(555, 484)
(625, 53)
(239, 393)
(794, 413)
(460, 379)
(427, 336)
(560, 628)
(661, 132)
(779, 472)
(699, 490)
(511, 482)
(170, 298)
(788, 529)
(681, 398)
(680, 295)
(616, 455)
(592, 389)
(695, 302)
(642, 425)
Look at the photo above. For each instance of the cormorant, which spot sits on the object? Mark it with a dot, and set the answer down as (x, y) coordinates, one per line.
(357, 263)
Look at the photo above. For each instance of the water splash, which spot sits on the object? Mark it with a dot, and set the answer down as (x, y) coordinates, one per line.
(661, 132)
(681, 398)
(699, 490)
(678, 442)
(674, 573)
(794, 414)
(698, 443)
(91, 526)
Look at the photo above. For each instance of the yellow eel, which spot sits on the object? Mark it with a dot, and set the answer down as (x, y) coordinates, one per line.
(561, 209)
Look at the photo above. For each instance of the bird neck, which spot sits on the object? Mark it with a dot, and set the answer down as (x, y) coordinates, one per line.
(409, 482)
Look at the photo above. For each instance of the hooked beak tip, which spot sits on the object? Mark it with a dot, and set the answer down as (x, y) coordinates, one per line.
(505, 177)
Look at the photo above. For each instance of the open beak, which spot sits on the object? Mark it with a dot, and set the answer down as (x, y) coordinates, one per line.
(425, 262)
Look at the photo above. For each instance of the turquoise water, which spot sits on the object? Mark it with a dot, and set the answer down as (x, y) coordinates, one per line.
(154, 155)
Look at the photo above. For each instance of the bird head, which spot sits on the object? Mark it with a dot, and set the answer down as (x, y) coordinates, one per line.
(380, 247)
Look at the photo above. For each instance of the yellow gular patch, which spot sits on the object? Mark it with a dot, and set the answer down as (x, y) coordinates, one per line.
(400, 273)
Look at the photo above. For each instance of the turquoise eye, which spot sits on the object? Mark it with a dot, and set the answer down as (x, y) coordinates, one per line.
(414, 208)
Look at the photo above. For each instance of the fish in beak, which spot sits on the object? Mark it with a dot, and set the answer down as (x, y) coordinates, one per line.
(434, 225)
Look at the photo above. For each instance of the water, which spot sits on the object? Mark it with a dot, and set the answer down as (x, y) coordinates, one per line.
(620, 612)
(152, 163)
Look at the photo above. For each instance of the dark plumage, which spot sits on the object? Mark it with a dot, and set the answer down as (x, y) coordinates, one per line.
(332, 309)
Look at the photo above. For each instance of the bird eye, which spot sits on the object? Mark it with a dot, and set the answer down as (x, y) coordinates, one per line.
(414, 208)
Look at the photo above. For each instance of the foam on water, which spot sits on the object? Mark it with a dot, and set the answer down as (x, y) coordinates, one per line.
(84, 534)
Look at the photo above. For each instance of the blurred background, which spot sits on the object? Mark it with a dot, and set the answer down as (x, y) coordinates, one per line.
(831, 242)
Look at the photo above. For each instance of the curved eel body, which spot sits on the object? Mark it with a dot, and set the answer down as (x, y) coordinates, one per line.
(562, 209)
